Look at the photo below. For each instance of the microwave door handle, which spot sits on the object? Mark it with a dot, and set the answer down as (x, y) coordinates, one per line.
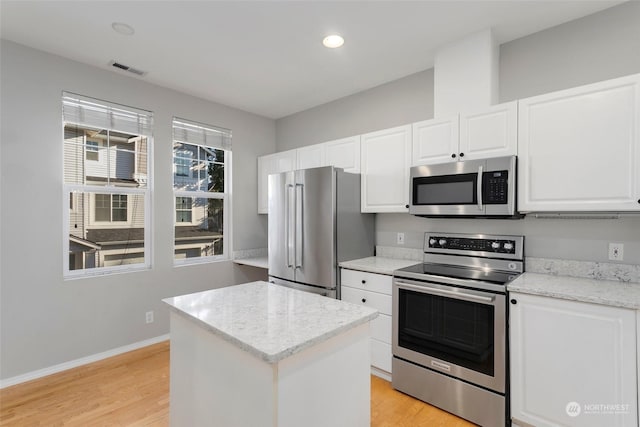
(479, 187)
(289, 218)
(426, 289)
(299, 226)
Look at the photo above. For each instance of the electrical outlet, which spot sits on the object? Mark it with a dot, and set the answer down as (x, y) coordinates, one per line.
(149, 316)
(616, 251)
(400, 239)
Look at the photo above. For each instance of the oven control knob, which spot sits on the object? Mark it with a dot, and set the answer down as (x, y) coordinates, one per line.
(508, 246)
(442, 242)
(495, 245)
(432, 242)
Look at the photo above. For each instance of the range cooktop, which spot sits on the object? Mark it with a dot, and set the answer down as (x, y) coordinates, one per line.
(471, 260)
(458, 272)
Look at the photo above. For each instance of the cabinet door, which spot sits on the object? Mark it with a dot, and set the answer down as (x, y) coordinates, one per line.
(435, 141)
(492, 132)
(284, 161)
(587, 139)
(344, 153)
(385, 161)
(312, 156)
(568, 357)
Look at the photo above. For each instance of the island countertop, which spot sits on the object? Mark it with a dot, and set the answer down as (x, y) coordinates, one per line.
(269, 321)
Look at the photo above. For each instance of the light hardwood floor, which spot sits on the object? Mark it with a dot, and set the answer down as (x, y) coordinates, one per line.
(132, 389)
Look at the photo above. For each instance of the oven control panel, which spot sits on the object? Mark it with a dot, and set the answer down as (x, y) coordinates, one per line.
(454, 243)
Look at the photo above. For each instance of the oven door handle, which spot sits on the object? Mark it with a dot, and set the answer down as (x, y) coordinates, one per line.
(426, 289)
(479, 187)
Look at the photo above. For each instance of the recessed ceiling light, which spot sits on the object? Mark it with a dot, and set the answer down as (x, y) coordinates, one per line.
(333, 41)
(122, 28)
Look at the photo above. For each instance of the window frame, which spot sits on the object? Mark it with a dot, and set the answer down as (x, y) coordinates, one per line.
(225, 196)
(145, 192)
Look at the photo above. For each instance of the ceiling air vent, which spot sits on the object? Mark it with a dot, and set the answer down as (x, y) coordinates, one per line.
(127, 68)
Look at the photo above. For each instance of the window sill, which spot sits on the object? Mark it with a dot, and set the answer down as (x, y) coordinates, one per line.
(104, 271)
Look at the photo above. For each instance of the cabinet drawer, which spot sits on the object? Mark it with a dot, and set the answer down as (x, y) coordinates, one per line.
(368, 281)
(381, 328)
(381, 355)
(380, 302)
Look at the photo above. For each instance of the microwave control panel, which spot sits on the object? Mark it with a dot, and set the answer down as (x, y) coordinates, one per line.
(495, 187)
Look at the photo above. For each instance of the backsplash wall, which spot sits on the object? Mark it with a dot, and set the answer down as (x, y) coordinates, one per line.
(572, 239)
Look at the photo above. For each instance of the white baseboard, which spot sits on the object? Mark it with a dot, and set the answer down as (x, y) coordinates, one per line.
(380, 373)
(79, 362)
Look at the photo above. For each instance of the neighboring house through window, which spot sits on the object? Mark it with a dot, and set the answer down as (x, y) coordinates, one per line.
(106, 181)
(202, 184)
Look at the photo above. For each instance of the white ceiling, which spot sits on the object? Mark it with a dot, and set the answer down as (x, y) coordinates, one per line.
(266, 57)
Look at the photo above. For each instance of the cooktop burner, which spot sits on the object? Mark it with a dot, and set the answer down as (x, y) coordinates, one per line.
(465, 273)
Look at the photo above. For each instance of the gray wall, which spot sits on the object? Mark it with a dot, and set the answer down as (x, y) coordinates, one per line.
(597, 47)
(46, 320)
(407, 100)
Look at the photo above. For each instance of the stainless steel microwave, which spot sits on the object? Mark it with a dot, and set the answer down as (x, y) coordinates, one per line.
(473, 188)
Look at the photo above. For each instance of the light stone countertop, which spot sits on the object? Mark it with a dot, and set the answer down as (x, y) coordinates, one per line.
(376, 264)
(605, 292)
(271, 322)
(260, 262)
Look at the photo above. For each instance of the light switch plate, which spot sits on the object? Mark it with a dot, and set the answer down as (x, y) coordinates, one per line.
(400, 239)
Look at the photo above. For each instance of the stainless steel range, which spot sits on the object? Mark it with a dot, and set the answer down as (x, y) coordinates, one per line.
(450, 324)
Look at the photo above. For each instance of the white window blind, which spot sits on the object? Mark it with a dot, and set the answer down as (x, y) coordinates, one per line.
(85, 111)
(200, 134)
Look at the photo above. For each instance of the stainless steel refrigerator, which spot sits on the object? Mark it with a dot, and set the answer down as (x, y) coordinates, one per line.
(315, 223)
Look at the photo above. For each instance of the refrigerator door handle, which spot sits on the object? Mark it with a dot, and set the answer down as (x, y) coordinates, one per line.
(299, 225)
(289, 219)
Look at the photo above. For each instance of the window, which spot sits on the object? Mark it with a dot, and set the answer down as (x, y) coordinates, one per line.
(92, 150)
(201, 184)
(106, 185)
(183, 209)
(111, 207)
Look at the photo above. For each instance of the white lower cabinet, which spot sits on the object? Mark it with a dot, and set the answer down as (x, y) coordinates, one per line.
(572, 363)
(373, 290)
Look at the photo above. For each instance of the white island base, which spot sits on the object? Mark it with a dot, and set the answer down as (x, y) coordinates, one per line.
(215, 382)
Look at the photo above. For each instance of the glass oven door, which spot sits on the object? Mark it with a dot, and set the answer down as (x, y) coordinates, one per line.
(457, 331)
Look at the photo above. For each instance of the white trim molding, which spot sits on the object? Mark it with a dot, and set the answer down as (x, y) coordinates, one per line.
(18, 379)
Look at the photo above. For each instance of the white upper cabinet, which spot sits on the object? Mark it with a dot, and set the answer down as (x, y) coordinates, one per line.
(579, 149)
(491, 132)
(312, 156)
(273, 163)
(435, 141)
(344, 153)
(385, 162)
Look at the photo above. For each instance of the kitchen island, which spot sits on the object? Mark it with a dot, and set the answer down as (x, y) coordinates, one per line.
(264, 355)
